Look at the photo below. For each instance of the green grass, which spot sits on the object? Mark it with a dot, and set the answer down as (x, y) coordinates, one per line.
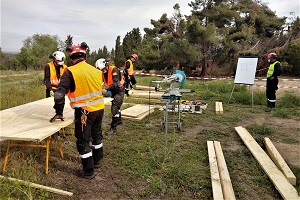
(147, 163)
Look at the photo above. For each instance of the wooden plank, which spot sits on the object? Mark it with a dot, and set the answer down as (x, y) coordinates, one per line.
(279, 161)
(284, 187)
(50, 189)
(140, 117)
(220, 108)
(228, 192)
(30, 122)
(217, 107)
(145, 94)
(146, 88)
(137, 111)
(214, 172)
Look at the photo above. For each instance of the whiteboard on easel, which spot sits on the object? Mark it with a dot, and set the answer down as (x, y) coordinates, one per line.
(246, 69)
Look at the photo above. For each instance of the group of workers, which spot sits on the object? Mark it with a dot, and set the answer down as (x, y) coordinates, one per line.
(85, 85)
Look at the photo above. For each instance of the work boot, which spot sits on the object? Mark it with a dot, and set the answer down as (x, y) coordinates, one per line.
(81, 174)
(96, 166)
(111, 131)
(267, 109)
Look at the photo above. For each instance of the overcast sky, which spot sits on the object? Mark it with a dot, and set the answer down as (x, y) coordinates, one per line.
(97, 22)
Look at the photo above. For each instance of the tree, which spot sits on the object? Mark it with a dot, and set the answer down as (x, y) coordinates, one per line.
(36, 49)
(119, 58)
(131, 42)
(293, 56)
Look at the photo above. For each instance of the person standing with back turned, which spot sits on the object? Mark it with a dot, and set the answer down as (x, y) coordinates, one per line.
(275, 70)
(53, 71)
(128, 73)
(114, 83)
(82, 83)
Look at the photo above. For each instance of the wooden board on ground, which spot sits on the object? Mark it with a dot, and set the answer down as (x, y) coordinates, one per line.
(30, 184)
(214, 172)
(228, 192)
(146, 88)
(145, 94)
(219, 107)
(138, 111)
(284, 187)
(279, 161)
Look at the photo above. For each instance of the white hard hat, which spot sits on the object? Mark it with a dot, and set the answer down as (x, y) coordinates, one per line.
(59, 57)
(100, 63)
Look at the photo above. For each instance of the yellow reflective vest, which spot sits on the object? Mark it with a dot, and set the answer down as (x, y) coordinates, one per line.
(88, 87)
(53, 78)
(271, 69)
(130, 70)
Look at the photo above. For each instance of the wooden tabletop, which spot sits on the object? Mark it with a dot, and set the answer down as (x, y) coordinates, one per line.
(30, 122)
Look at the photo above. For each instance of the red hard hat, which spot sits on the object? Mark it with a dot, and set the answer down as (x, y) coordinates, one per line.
(135, 56)
(77, 49)
(272, 55)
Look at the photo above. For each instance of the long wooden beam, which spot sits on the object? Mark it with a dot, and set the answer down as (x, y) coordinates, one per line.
(284, 187)
(228, 192)
(279, 161)
(214, 172)
(50, 189)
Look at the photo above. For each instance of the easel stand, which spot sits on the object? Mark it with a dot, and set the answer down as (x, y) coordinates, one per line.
(251, 93)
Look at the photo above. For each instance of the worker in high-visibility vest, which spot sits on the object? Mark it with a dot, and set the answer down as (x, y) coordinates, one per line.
(128, 73)
(275, 70)
(82, 83)
(113, 82)
(53, 71)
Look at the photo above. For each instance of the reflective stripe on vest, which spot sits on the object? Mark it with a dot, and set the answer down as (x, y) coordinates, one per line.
(271, 69)
(88, 87)
(53, 78)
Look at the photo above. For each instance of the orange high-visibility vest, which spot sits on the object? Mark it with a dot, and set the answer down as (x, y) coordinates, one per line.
(53, 78)
(130, 70)
(110, 75)
(88, 87)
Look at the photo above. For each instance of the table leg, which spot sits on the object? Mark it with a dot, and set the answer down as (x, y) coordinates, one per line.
(59, 146)
(6, 156)
(48, 140)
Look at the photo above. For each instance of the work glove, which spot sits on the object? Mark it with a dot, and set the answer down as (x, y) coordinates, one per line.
(56, 116)
(51, 93)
